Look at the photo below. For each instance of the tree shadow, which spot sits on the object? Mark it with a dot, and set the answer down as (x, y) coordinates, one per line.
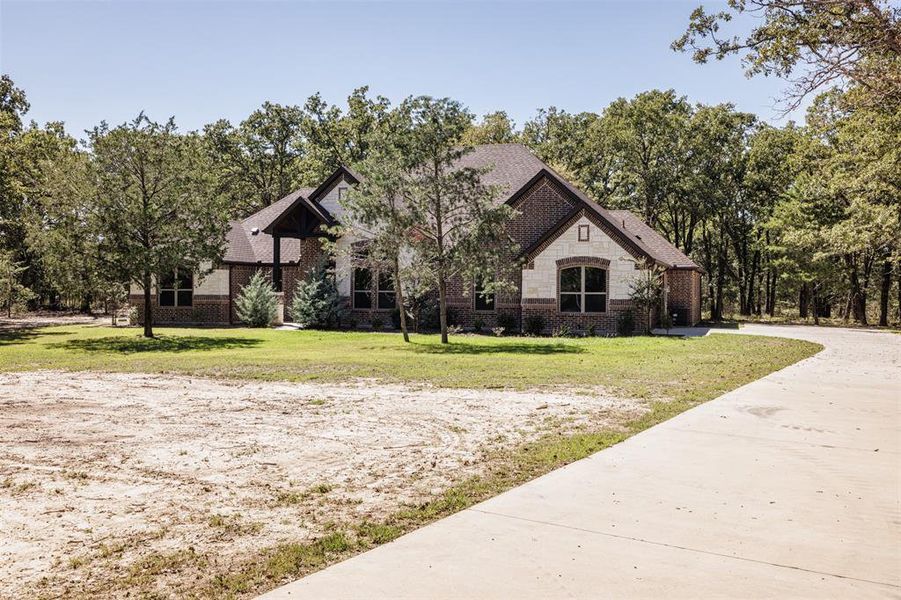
(21, 335)
(134, 345)
(515, 348)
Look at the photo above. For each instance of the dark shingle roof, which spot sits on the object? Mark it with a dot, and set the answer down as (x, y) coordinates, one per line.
(658, 245)
(512, 167)
(245, 246)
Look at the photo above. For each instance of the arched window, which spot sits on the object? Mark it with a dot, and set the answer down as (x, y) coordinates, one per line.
(582, 289)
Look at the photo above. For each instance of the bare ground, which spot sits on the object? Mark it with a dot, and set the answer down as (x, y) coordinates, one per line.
(102, 473)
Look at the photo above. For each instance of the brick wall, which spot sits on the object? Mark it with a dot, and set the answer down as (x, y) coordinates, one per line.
(206, 310)
(685, 294)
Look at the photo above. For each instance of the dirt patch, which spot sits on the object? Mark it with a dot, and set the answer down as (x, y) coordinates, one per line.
(101, 474)
(33, 320)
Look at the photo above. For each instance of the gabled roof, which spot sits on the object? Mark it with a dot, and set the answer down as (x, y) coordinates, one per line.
(340, 173)
(245, 246)
(513, 169)
(659, 245)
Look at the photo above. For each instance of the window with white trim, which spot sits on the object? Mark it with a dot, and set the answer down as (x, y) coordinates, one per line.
(582, 289)
(177, 288)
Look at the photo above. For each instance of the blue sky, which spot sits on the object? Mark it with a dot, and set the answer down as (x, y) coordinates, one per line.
(82, 62)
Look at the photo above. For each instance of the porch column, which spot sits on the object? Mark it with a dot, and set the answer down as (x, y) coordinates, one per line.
(277, 263)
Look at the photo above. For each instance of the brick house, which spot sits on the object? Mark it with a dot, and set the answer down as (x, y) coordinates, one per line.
(575, 259)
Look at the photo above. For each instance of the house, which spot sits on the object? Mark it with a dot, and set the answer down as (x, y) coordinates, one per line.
(577, 259)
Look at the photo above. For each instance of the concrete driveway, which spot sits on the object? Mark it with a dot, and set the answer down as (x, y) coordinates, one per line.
(786, 487)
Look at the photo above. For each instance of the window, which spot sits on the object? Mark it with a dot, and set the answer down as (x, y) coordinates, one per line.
(177, 288)
(362, 288)
(342, 193)
(583, 290)
(386, 296)
(583, 233)
(482, 301)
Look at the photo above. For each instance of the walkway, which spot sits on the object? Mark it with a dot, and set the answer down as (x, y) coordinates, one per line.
(786, 487)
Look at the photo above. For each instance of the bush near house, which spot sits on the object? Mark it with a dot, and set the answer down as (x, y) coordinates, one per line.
(257, 305)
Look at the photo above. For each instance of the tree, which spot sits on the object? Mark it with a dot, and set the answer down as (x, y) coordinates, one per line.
(647, 136)
(578, 146)
(12, 292)
(257, 304)
(337, 137)
(62, 231)
(646, 290)
(259, 161)
(156, 206)
(376, 209)
(316, 301)
(815, 44)
(495, 128)
(458, 228)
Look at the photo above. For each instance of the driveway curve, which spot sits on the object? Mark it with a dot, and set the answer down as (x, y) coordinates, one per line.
(786, 487)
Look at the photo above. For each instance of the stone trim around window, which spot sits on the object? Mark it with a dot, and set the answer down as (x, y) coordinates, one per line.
(583, 261)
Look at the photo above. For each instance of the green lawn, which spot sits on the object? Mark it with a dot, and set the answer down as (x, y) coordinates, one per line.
(676, 374)
(648, 367)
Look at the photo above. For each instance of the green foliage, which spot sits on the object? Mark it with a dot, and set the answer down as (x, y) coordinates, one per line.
(625, 323)
(646, 290)
(154, 205)
(494, 128)
(257, 304)
(316, 303)
(260, 160)
(507, 321)
(12, 292)
(814, 44)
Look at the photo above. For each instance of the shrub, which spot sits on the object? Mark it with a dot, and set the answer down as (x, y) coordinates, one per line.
(424, 310)
(562, 331)
(377, 323)
(478, 324)
(592, 330)
(507, 321)
(625, 323)
(533, 325)
(316, 302)
(666, 320)
(257, 304)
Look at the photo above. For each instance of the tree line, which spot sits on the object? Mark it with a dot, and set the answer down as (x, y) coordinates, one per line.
(802, 219)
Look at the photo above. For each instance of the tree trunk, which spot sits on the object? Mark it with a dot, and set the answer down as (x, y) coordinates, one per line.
(816, 304)
(442, 307)
(148, 310)
(884, 293)
(857, 297)
(803, 299)
(399, 293)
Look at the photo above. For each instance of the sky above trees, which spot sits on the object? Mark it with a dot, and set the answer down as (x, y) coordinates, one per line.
(83, 62)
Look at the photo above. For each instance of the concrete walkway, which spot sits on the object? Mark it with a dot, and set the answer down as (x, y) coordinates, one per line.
(786, 487)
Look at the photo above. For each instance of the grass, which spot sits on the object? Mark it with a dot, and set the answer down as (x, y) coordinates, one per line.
(674, 374)
(644, 367)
